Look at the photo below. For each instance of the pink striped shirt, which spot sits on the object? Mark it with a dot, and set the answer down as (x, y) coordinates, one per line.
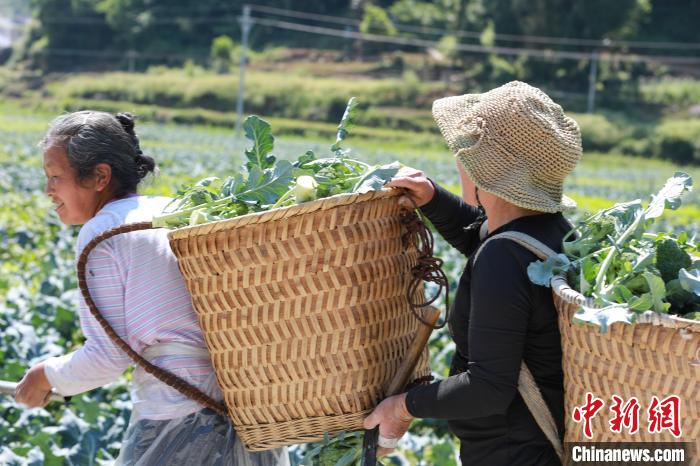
(137, 286)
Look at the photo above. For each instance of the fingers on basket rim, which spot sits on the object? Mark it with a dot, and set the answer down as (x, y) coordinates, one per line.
(404, 182)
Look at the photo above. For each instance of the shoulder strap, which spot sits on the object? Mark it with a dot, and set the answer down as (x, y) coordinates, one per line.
(533, 245)
(526, 382)
(164, 376)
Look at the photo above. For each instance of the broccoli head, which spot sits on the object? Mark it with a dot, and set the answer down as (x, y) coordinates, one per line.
(670, 258)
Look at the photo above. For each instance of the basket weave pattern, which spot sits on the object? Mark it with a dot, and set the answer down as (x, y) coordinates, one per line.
(304, 312)
(659, 359)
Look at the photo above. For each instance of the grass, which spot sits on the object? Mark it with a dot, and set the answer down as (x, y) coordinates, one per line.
(672, 91)
(307, 98)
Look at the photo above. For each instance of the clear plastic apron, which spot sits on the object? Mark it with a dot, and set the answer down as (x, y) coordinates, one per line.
(147, 391)
(190, 437)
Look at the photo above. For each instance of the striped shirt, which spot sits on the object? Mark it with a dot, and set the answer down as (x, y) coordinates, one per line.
(137, 286)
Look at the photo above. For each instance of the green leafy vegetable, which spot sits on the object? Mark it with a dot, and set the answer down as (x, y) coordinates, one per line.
(343, 449)
(690, 280)
(260, 132)
(611, 258)
(269, 183)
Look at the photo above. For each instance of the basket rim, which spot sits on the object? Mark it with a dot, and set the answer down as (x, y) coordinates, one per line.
(564, 291)
(281, 213)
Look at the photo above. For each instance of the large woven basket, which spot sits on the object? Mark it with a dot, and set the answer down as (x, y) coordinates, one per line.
(657, 356)
(304, 312)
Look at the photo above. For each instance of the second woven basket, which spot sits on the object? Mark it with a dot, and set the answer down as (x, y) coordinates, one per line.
(657, 357)
(304, 312)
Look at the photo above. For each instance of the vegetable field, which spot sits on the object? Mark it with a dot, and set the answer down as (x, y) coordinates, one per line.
(38, 288)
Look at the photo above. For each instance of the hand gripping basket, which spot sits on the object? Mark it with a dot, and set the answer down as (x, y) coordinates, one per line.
(305, 311)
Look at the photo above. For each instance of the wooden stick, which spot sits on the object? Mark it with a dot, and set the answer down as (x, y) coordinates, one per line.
(400, 379)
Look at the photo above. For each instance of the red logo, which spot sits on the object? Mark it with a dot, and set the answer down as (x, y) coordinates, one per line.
(626, 415)
(662, 414)
(586, 412)
(665, 414)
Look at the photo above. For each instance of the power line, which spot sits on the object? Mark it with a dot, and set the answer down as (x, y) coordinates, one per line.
(422, 43)
(511, 51)
(544, 40)
(548, 40)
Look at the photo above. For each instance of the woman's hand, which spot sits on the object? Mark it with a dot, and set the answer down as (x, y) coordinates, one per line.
(34, 388)
(393, 420)
(418, 188)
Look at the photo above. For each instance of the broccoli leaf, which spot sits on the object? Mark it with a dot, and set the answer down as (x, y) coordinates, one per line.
(306, 157)
(690, 280)
(670, 195)
(375, 179)
(605, 316)
(641, 303)
(348, 458)
(233, 185)
(624, 214)
(657, 290)
(259, 132)
(621, 294)
(542, 272)
(269, 185)
(345, 124)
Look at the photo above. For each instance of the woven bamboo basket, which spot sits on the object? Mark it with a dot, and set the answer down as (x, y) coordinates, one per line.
(304, 312)
(657, 356)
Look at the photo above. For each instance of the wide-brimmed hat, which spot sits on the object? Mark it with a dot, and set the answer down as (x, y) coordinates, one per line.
(514, 142)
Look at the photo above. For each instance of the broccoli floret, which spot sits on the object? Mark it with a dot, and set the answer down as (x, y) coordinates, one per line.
(602, 228)
(670, 258)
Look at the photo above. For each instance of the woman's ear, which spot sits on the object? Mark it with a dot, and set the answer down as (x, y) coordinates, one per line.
(103, 176)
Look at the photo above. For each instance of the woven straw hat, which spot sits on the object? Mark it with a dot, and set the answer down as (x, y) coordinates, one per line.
(514, 142)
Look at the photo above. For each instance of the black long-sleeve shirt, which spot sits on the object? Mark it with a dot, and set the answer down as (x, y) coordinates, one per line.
(498, 319)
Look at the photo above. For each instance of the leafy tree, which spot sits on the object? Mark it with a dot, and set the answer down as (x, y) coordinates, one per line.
(222, 53)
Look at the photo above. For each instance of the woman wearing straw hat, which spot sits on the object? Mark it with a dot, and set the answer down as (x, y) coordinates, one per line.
(514, 146)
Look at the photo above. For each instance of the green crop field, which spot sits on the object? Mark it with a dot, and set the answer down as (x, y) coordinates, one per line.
(38, 289)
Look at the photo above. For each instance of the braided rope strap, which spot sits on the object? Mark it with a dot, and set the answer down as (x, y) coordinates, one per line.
(527, 386)
(164, 376)
(428, 268)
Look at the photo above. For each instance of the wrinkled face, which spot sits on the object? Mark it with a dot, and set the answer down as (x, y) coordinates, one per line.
(468, 186)
(75, 201)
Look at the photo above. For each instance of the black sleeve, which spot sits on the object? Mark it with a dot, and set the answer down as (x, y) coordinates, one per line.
(450, 215)
(500, 312)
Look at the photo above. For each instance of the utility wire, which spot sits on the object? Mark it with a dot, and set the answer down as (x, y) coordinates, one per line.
(544, 40)
(549, 40)
(512, 51)
(544, 54)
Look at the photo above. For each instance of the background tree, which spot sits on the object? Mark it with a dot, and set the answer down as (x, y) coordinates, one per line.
(222, 50)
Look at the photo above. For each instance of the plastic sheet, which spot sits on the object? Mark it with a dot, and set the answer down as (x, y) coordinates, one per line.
(201, 438)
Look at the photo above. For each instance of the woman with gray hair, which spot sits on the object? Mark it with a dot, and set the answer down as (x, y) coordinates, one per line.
(94, 164)
(514, 147)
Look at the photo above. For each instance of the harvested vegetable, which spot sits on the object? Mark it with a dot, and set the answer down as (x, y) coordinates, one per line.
(267, 183)
(626, 269)
(344, 449)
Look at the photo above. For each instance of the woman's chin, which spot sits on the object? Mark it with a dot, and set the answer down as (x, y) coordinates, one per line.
(67, 219)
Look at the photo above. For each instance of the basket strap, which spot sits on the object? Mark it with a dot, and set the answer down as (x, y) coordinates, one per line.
(527, 386)
(428, 267)
(164, 376)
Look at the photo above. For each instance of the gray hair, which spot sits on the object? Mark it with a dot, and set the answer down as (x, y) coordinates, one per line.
(90, 138)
